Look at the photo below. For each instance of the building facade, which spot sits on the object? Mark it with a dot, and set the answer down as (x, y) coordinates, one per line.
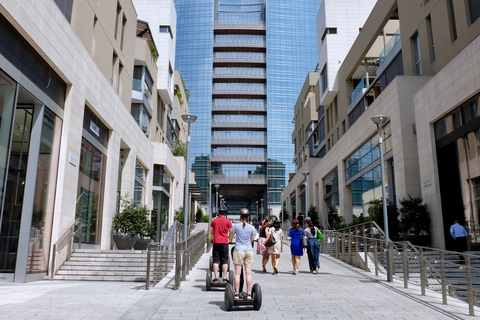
(413, 61)
(245, 63)
(82, 124)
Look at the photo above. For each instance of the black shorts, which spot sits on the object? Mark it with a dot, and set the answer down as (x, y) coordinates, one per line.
(220, 253)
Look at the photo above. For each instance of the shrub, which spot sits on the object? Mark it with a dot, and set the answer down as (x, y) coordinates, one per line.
(133, 220)
(415, 218)
(199, 215)
(375, 213)
(179, 215)
(313, 214)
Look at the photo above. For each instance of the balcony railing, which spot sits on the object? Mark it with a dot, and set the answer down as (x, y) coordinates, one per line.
(239, 140)
(240, 24)
(239, 107)
(239, 124)
(235, 57)
(239, 43)
(389, 46)
(239, 90)
(238, 158)
(252, 179)
(232, 73)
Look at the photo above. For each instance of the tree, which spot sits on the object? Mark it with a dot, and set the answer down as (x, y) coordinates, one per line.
(179, 215)
(285, 215)
(334, 219)
(313, 214)
(415, 218)
(375, 213)
(199, 215)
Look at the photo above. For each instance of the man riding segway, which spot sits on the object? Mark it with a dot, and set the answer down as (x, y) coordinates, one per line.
(221, 228)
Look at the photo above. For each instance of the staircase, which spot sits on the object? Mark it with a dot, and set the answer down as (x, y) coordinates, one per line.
(113, 265)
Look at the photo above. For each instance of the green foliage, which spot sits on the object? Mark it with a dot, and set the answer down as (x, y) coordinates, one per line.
(199, 215)
(414, 216)
(133, 220)
(178, 93)
(375, 213)
(179, 215)
(205, 218)
(313, 214)
(285, 215)
(334, 219)
(187, 92)
(179, 148)
(154, 51)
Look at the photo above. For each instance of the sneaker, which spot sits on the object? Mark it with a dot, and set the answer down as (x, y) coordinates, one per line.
(224, 280)
(237, 296)
(296, 272)
(316, 270)
(215, 280)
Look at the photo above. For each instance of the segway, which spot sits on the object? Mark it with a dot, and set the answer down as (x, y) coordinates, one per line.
(254, 300)
(220, 284)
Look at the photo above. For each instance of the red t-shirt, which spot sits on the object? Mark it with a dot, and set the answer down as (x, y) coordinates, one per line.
(220, 226)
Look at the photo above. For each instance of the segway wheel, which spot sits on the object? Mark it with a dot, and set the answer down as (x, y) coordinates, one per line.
(257, 296)
(231, 277)
(208, 281)
(229, 297)
(211, 263)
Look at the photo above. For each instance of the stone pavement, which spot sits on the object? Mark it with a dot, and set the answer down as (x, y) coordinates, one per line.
(339, 291)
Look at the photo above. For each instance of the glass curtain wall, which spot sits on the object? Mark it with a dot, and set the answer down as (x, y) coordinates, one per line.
(291, 53)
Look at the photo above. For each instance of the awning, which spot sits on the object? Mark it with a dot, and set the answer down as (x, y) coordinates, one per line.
(196, 192)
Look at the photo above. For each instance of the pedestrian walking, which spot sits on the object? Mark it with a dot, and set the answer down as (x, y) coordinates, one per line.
(313, 249)
(460, 236)
(261, 249)
(295, 237)
(277, 248)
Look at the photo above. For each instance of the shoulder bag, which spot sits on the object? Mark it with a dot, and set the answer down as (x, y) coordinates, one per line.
(304, 241)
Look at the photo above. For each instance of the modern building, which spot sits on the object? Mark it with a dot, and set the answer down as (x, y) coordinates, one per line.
(82, 122)
(245, 63)
(426, 80)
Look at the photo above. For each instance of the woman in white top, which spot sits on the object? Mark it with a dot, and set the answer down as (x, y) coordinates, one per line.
(276, 249)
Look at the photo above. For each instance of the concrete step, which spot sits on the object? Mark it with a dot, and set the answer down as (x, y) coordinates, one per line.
(101, 278)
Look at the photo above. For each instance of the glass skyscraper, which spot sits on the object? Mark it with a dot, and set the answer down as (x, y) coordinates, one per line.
(244, 62)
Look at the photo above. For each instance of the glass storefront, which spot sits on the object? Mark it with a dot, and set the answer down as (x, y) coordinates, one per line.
(90, 191)
(160, 201)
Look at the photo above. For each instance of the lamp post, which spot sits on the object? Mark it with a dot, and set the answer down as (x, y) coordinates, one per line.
(188, 118)
(216, 198)
(306, 173)
(261, 208)
(380, 120)
(281, 201)
(258, 215)
(210, 174)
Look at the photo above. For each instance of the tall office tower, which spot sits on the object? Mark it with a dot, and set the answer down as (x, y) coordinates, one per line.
(244, 62)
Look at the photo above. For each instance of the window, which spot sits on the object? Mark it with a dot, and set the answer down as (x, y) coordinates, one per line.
(324, 77)
(117, 19)
(344, 127)
(160, 110)
(166, 29)
(416, 54)
(114, 63)
(474, 10)
(140, 184)
(122, 36)
(141, 116)
(453, 24)
(120, 69)
(66, 7)
(329, 31)
(430, 39)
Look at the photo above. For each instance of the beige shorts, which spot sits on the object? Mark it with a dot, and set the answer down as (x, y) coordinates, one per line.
(242, 257)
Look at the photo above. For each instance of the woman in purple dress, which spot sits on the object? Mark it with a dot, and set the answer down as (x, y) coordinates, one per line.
(295, 236)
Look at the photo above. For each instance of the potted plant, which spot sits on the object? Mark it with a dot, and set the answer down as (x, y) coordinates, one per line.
(131, 223)
(415, 221)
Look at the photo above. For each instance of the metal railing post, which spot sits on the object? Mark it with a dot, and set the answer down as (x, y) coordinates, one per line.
(405, 265)
(357, 251)
(375, 257)
(470, 294)
(442, 276)
(147, 282)
(390, 261)
(422, 272)
(365, 249)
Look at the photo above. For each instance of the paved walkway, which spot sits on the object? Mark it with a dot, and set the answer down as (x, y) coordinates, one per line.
(338, 292)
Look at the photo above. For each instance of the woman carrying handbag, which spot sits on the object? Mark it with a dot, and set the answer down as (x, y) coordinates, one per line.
(276, 235)
(295, 236)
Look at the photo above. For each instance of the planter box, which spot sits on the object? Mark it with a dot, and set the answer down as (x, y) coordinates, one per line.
(124, 242)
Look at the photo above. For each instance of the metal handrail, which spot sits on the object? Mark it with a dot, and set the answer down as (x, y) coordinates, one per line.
(421, 266)
(66, 240)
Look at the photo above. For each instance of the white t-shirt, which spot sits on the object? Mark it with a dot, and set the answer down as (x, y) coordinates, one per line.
(243, 235)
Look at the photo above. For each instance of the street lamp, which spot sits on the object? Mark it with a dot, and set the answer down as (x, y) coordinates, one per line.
(380, 120)
(306, 173)
(281, 201)
(216, 198)
(188, 118)
(210, 174)
(261, 208)
(258, 215)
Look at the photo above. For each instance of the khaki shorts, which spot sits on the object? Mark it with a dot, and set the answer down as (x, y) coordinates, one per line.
(242, 257)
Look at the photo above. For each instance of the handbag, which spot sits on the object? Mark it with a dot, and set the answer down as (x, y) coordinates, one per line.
(270, 241)
(304, 241)
(319, 234)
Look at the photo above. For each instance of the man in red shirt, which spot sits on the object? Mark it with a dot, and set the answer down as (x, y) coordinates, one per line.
(221, 228)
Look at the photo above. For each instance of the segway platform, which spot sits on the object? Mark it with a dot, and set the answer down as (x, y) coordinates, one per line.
(220, 284)
(255, 299)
